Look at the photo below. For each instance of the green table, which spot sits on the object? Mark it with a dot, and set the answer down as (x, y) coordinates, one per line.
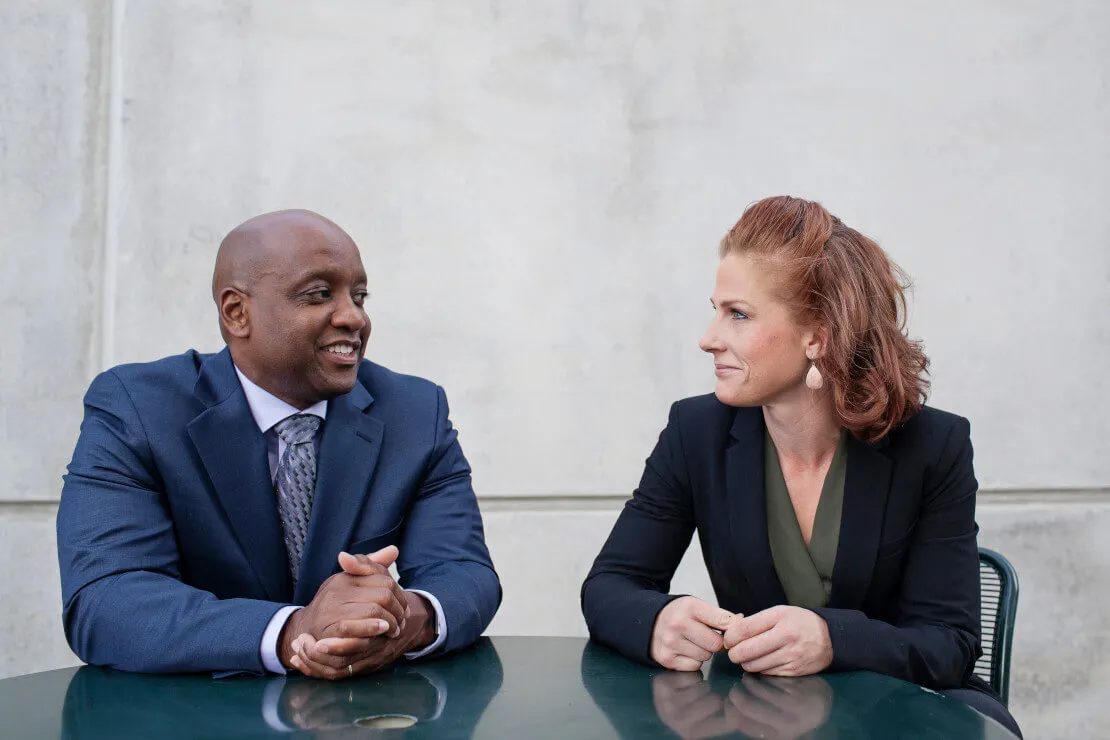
(504, 687)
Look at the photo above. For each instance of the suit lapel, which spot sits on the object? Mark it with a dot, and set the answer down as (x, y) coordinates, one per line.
(866, 490)
(233, 451)
(349, 451)
(747, 507)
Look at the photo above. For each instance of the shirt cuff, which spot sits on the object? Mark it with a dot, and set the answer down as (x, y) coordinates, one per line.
(269, 648)
(441, 626)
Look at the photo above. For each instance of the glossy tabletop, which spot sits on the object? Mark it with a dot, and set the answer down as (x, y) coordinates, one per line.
(504, 687)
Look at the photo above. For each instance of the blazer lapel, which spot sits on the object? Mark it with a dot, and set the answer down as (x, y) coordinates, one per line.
(349, 452)
(866, 490)
(233, 451)
(747, 507)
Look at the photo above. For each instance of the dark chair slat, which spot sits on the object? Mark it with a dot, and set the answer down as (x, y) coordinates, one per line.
(999, 596)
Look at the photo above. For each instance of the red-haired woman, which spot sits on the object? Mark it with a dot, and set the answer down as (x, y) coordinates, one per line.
(836, 512)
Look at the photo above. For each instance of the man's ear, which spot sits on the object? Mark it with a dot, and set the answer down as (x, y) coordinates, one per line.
(235, 312)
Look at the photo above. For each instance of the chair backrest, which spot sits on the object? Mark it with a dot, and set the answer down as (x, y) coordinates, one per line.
(999, 593)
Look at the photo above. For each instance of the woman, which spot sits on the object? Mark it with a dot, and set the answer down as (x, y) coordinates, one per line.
(836, 512)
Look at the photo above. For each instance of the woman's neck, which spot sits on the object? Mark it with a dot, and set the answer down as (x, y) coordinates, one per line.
(805, 429)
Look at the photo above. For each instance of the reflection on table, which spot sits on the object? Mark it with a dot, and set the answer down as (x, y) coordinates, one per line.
(727, 702)
(528, 687)
(440, 698)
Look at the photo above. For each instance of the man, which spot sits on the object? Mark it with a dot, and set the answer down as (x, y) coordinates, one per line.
(210, 497)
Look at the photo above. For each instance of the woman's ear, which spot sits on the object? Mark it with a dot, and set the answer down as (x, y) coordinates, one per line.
(816, 342)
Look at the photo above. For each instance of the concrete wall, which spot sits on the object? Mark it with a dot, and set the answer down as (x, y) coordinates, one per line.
(538, 190)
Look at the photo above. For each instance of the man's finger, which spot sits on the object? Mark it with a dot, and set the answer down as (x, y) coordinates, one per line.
(358, 611)
(359, 565)
(346, 646)
(334, 662)
(387, 599)
(329, 660)
(317, 665)
(364, 565)
(711, 616)
(383, 558)
(303, 662)
(362, 628)
(386, 556)
(376, 660)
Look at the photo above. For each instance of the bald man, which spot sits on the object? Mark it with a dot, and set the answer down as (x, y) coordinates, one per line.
(239, 512)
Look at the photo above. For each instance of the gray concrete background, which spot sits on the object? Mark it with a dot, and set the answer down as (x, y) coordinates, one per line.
(538, 189)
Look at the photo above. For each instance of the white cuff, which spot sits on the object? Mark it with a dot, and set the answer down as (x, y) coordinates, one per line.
(441, 626)
(269, 648)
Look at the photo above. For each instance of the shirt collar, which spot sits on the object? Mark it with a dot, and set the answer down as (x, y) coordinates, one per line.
(267, 409)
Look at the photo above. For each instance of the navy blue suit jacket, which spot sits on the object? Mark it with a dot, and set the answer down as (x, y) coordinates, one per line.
(169, 539)
(905, 585)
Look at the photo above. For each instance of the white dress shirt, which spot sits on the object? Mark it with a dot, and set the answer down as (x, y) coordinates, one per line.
(267, 411)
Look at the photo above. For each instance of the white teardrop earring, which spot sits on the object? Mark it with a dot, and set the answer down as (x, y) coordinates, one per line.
(814, 381)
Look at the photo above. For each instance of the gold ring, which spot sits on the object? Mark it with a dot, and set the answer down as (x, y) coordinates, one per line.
(350, 669)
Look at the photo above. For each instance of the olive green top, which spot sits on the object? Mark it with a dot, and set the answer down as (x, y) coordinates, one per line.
(804, 571)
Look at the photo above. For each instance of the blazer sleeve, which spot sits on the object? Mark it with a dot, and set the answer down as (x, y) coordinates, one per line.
(443, 548)
(934, 641)
(627, 586)
(123, 602)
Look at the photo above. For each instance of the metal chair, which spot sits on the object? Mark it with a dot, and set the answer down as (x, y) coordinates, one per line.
(999, 589)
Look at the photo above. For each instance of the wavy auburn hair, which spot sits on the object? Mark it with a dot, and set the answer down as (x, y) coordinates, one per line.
(833, 276)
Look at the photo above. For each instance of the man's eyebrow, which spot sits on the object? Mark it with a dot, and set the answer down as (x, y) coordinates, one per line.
(325, 273)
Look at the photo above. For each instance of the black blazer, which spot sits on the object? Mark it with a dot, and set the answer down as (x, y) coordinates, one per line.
(905, 587)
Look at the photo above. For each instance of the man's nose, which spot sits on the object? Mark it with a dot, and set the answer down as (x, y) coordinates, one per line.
(349, 315)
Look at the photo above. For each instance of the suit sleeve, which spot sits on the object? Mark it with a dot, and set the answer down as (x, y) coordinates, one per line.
(443, 549)
(123, 602)
(935, 640)
(627, 586)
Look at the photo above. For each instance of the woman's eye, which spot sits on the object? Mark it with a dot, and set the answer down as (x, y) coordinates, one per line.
(737, 314)
(360, 298)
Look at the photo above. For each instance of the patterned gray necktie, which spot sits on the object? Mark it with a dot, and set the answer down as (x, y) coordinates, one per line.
(296, 482)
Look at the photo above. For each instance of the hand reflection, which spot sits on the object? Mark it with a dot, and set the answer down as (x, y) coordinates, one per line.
(767, 707)
(315, 705)
(309, 708)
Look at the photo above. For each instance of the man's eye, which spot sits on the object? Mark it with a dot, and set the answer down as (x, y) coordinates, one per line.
(360, 298)
(737, 314)
(322, 294)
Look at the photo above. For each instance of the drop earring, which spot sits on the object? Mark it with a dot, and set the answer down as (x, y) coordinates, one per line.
(814, 381)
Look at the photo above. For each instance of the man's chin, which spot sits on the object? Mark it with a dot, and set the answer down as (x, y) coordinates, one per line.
(334, 384)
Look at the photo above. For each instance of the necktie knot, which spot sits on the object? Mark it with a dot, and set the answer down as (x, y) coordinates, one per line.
(298, 428)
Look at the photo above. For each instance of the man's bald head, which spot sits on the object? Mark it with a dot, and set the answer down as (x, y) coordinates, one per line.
(290, 288)
(260, 244)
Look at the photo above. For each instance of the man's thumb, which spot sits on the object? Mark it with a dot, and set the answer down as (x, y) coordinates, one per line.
(386, 556)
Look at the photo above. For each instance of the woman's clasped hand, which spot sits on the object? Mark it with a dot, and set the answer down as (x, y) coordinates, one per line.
(780, 641)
